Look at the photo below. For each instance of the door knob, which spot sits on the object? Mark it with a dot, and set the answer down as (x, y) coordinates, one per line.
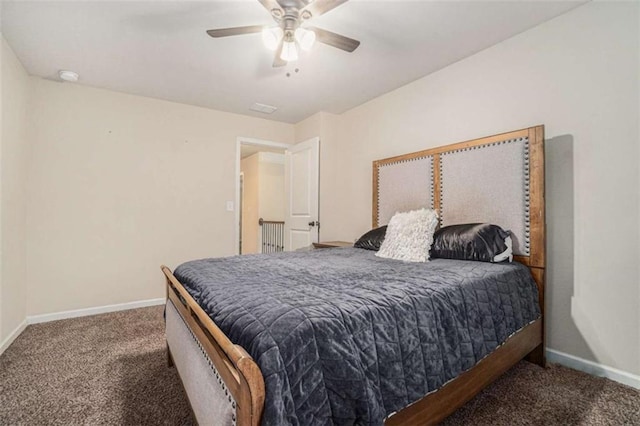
(314, 223)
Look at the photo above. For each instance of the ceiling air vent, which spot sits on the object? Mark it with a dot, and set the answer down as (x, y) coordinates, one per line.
(265, 109)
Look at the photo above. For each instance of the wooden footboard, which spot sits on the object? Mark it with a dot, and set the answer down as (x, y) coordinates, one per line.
(238, 370)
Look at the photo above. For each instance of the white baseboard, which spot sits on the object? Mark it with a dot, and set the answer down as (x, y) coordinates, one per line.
(35, 319)
(12, 336)
(593, 368)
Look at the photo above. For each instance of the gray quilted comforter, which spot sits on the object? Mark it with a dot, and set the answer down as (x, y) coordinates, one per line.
(344, 337)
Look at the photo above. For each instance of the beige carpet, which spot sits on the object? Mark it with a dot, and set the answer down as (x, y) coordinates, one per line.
(111, 369)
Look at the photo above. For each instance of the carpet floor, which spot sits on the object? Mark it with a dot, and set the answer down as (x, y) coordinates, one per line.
(111, 369)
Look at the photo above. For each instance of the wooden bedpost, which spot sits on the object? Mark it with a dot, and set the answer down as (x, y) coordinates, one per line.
(537, 259)
(537, 355)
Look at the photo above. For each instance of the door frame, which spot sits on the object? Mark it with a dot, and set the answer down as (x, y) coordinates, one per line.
(239, 142)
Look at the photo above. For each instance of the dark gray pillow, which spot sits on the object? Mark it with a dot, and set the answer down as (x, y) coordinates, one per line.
(472, 241)
(372, 239)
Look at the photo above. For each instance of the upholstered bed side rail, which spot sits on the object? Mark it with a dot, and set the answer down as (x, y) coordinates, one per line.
(210, 399)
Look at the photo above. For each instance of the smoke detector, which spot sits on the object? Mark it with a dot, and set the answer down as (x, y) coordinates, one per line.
(68, 76)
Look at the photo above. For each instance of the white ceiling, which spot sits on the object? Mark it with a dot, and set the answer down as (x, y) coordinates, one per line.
(160, 49)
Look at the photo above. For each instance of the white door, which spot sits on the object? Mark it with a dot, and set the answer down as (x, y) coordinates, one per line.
(301, 178)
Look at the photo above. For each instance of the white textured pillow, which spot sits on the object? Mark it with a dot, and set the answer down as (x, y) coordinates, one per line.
(409, 236)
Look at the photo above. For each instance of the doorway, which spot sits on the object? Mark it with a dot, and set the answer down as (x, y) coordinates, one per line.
(272, 181)
(260, 193)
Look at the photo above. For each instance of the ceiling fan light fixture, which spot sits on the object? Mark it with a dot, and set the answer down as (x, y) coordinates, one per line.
(289, 35)
(305, 38)
(271, 37)
(289, 51)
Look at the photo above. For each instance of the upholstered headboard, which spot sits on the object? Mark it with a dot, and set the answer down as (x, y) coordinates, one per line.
(497, 179)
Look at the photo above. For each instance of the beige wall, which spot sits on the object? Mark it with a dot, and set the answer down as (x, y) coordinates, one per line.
(577, 75)
(2, 48)
(120, 184)
(14, 152)
(250, 166)
(310, 127)
(272, 203)
(3, 337)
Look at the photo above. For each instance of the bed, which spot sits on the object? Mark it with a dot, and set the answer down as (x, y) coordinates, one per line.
(313, 320)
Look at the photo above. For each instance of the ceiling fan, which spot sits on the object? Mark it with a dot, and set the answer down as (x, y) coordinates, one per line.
(289, 34)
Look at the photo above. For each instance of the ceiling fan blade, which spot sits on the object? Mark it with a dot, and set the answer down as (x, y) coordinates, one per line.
(319, 7)
(336, 40)
(277, 61)
(226, 32)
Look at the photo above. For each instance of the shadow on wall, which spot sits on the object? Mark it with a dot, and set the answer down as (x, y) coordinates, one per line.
(562, 331)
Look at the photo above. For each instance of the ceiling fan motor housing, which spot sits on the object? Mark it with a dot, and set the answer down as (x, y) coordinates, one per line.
(291, 19)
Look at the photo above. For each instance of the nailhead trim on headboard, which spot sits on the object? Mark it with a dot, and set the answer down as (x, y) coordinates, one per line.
(431, 188)
(527, 217)
(431, 178)
(527, 200)
(484, 186)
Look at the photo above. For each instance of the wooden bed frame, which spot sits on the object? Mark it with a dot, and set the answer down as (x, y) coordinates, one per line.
(243, 377)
